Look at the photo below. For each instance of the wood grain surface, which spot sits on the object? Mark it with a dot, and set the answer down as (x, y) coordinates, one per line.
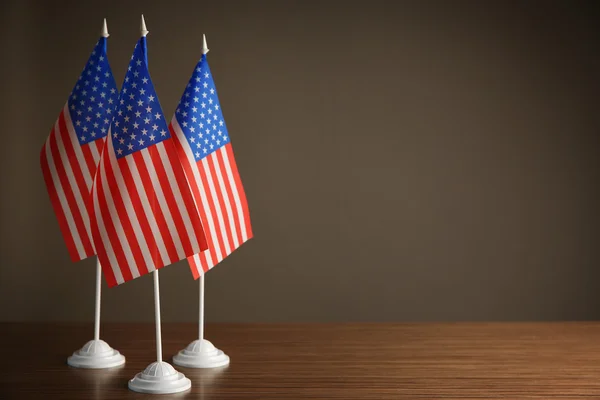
(319, 361)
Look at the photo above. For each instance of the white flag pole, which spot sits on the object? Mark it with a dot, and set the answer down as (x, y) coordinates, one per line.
(201, 353)
(97, 353)
(157, 317)
(201, 316)
(159, 377)
(97, 312)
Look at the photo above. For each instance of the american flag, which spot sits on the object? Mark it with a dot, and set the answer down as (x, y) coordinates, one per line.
(144, 216)
(205, 151)
(72, 150)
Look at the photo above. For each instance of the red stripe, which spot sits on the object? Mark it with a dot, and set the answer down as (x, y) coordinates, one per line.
(110, 227)
(184, 189)
(139, 211)
(163, 181)
(134, 245)
(58, 210)
(211, 166)
(60, 169)
(102, 256)
(212, 211)
(240, 188)
(156, 210)
(228, 184)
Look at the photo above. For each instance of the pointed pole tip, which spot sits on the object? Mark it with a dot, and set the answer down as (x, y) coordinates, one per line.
(104, 32)
(143, 29)
(204, 45)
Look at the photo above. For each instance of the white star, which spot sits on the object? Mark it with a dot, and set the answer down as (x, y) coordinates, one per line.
(126, 118)
(138, 114)
(135, 73)
(196, 99)
(129, 107)
(141, 142)
(157, 116)
(134, 85)
(142, 91)
(163, 133)
(135, 125)
(119, 151)
(148, 109)
(205, 85)
(192, 129)
(155, 127)
(130, 146)
(138, 62)
(212, 91)
(125, 129)
(115, 135)
(78, 123)
(152, 137)
(151, 98)
(132, 136)
(145, 80)
(144, 132)
(194, 109)
(203, 104)
(82, 138)
(121, 141)
(140, 103)
(147, 120)
(197, 155)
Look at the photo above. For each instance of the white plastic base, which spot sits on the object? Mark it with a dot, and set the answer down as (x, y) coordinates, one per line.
(201, 354)
(96, 354)
(160, 378)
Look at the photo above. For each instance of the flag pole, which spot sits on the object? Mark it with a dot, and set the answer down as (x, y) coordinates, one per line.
(159, 377)
(201, 353)
(157, 317)
(201, 316)
(97, 353)
(98, 295)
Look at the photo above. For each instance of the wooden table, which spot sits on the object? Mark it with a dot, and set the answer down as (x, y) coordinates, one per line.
(319, 361)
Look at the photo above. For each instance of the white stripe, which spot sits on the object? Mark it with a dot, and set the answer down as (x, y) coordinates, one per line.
(120, 230)
(96, 148)
(139, 186)
(77, 147)
(114, 264)
(215, 160)
(81, 203)
(217, 206)
(63, 200)
(162, 202)
(187, 222)
(236, 195)
(129, 209)
(197, 181)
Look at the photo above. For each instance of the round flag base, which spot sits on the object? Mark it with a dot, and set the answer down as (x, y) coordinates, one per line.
(96, 354)
(201, 354)
(160, 378)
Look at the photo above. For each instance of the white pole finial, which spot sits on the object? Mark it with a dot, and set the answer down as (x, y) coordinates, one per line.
(204, 45)
(143, 29)
(104, 29)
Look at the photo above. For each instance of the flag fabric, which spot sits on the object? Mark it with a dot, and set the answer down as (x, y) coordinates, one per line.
(72, 150)
(205, 151)
(144, 216)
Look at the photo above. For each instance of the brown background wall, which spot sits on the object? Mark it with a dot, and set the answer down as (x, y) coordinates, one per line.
(431, 160)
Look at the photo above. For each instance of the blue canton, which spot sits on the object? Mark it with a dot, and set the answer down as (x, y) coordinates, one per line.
(94, 97)
(199, 113)
(139, 121)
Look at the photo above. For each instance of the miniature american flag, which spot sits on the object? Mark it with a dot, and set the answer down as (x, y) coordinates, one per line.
(72, 150)
(144, 216)
(205, 151)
